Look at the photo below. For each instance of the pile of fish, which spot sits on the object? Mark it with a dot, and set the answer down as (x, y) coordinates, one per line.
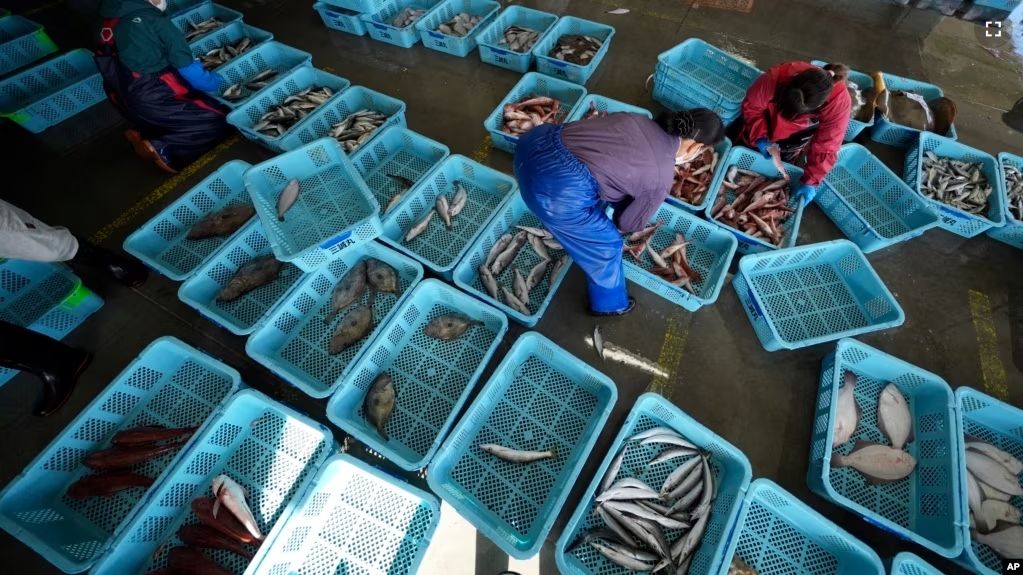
(370, 273)
(671, 263)
(357, 127)
(959, 184)
(647, 529)
(258, 272)
(500, 261)
(760, 207)
(1014, 191)
(224, 54)
(407, 17)
(254, 84)
(529, 113)
(446, 210)
(222, 222)
(878, 463)
(692, 179)
(992, 480)
(576, 49)
(460, 25)
(519, 39)
(280, 118)
(207, 25)
(130, 447)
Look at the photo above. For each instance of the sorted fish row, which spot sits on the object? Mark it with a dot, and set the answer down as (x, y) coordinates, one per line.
(357, 127)
(371, 274)
(518, 39)
(760, 208)
(1014, 191)
(992, 481)
(529, 113)
(207, 25)
(460, 26)
(280, 118)
(224, 54)
(407, 17)
(446, 210)
(576, 49)
(671, 263)
(497, 272)
(692, 179)
(253, 84)
(959, 184)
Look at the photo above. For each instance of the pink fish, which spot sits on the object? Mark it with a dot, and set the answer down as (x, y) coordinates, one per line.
(232, 496)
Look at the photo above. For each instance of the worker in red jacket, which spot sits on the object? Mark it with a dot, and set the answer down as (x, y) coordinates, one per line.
(800, 108)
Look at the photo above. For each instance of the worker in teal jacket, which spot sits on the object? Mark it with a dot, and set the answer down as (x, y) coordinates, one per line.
(150, 75)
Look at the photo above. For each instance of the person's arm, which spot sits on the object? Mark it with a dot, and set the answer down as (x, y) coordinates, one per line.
(822, 152)
(756, 102)
(180, 57)
(633, 214)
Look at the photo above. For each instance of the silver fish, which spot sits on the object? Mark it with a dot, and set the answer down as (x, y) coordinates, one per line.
(612, 471)
(991, 472)
(631, 482)
(556, 268)
(538, 246)
(594, 534)
(685, 546)
(658, 538)
(992, 493)
(1006, 542)
(1013, 465)
(499, 246)
(878, 463)
(627, 494)
(231, 496)
(847, 411)
(619, 558)
(553, 244)
(516, 456)
(687, 499)
(514, 302)
(975, 496)
(893, 418)
(633, 526)
(654, 432)
(459, 201)
(673, 453)
(351, 329)
(708, 491)
(258, 272)
(488, 281)
(502, 261)
(678, 475)
(519, 288)
(233, 92)
(614, 525)
(450, 326)
(287, 198)
(419, 227)
(690, 481)
(378, 404)
(673, 439)
(441, 205)
(538, 232)
(598, 341)
(348, 289)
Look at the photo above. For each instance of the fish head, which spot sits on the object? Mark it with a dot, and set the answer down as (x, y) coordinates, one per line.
(219, 482)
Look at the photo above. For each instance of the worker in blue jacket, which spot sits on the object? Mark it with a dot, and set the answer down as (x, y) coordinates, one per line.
(150, 75)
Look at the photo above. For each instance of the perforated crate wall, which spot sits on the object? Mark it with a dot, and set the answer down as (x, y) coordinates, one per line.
(269, 449)
(547, 64)
(909, 564)
(169, 384)
(540, 397)
(1012, 232)
(922, 508)
(437, 248)
(732, 474)
(267, 56)
(319, 123)
(229, 34)
(493, 52)
(695, 74)
(378, 21)
(893, 134)
(396, 151)
(55, 90)
(240, 315)
(175, 7)
(187, 19)
(293, 341)
(605, 106)
(444, 12)
(567, 93)
(22, 41)
(342, 19)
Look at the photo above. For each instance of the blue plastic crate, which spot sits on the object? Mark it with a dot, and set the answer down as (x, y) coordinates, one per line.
(51, 92)
(862, 81)
(695, 74)
(539, 85)
(247, 115)
(267, 56)
(909, 564)
(396, 151)
(432, 378)
(318, 124)
(353, 518)
(540, 397)
(492, 52)
(202, 12)
(22, 41)
(812, 294)
(161, 243)
(747, 159)
(953, 220)
(335, 209)
(361, 6)
(175, 7)
(446, 10)
(437, 248)
(900, 136)
(241, 315)
(997, 423)
(602, 104)
(168, 384)
(229, 34)
(513, 213)
(721, 150)
(776, 532)
(732, 474)
(1012, 232)
(924, 508)
(292, 342)
(551, 66)
(270, 449)
(343, 19)
(870, 204)
(378, 22)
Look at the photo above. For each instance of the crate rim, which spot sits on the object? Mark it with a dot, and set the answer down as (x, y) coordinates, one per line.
(35, 98)
(1002, 158)
(516, 9)
(597, 57)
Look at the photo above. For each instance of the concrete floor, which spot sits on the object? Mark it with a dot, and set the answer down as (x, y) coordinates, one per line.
(761, 402)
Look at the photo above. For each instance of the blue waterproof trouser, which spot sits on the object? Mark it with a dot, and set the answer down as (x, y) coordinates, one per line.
(562, 193)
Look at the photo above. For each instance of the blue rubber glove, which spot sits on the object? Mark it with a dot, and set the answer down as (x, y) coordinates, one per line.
(762, 145)
(199, 78)
(807, 193)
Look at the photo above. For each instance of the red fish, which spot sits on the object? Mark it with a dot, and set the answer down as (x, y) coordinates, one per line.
(224, 522)
(188, 561)
(124, 457)
(106, 484)
(148, 434)
(209, 538)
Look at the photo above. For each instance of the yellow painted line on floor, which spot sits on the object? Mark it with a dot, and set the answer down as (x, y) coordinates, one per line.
(131, 213)
(39, 9)
(987, 344)
(482, 151)
(672, 350)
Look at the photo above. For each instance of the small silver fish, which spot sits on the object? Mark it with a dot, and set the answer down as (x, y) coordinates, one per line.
(488, 281)
(538, 246)
(514, 302)
(459, 201)
(287, 198)
(519, 287)
(516, 456)
(508, 255)
(442, 208)
(499, 246)
(536, 274)
(419, 227)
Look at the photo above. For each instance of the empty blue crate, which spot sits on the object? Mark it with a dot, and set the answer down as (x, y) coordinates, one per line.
(732, 474)
(396, 151)
(268, 448)
(997, 423)
(354, 518)
(319, 123)
(267, 56)
(188, 21)
(721, 150)
(437, 248)
(466, 274)
(239, 316)
(532, 84)
(924, 507)
(812, 294)
(230, 34)
(695, 74)
(361, 6)
(593, 102)
(51, 92)
(547, 64)
(777, 533)
(540, 397)
(343, 19)
(493, 49)
(909, 564)
(746, 159)
(293, 341)
(162, 243)
(862, 82)
(952, 219)
(445, 11)
(870, 204)
(380, 21)
(22, 41)
(169, 384)
(334, 210)
(433, 378)
(894, 134)
(175, 7)
(1012, 232)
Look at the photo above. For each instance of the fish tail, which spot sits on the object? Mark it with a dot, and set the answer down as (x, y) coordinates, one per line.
(330, 316)
(554, 452)
(383, 433)
(837, 460)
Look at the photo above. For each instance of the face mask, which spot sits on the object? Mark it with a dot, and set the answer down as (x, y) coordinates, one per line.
(690, 157)
(162, 5)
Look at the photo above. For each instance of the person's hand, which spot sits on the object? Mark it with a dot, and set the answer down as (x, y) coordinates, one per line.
(764, 145)
(807, 193)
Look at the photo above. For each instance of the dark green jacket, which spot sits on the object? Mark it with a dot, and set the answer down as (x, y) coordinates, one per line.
(147, 41)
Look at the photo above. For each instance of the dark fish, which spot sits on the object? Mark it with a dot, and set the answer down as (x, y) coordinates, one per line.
(352, 328)
(209, 538)
(224, 522)
(124, 457)
(382, 276)
(402, 181)
(591, 534)
(106, 484)
(450, 326)
(379, 403)
(347, 291)
(148, 434)
(258, 272)
(221, 223)
(188, 561)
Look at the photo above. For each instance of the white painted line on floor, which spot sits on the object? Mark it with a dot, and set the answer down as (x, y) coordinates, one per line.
(453, 548)
(530, 566)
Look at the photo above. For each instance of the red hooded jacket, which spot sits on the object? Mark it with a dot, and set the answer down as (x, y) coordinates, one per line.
(822, 150)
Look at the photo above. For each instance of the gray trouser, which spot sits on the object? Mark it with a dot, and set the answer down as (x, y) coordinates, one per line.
(23, 237)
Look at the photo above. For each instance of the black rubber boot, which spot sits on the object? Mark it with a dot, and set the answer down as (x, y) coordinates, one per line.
(56, 364)
(632, 306)
(125, 270)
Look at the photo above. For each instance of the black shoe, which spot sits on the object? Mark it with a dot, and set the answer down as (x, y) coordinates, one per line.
(631, 306)
(59, 381)
(57, 365)
(126, 271)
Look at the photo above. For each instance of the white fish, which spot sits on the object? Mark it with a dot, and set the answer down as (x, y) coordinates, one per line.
(516, 456)
(707, 500)
(692, 480)
(612, 470)
(536, 274)
(847, 411)
(991, 472)
(442, 208)
(498, 247)
(598, 342)
(974, 495)
(1013, 465)
(878, 463)
(539, 232)
(672, 453)
(653, 432)
(992, 493)
(519, 287)
(232, 496)
(631, 482)
(627, 494)
(893, 418)
(1008, 542)
(420, 226)
(679, 475)
(538, 246)
(488, 281)
(513, 302)
(287, 198)
(553, 244)
(669, 439)
(993, 511)
(458, 201)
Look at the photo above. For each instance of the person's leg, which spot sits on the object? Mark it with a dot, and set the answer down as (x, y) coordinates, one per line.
(125, 270)
(57, 365)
